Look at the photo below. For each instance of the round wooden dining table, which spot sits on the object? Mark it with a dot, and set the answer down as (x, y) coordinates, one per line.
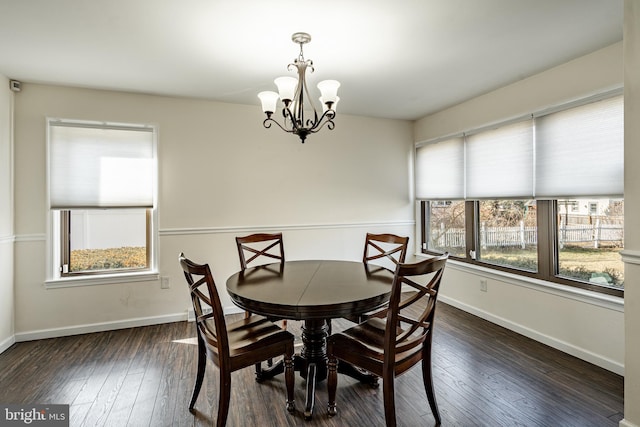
(314, 292)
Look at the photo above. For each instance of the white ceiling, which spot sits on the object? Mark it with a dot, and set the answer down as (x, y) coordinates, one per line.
(395, 59)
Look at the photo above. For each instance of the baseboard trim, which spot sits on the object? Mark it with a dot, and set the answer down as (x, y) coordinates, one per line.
(4, 345)
(625, 423)
(99, 327)
(231, 309)
(563, 346)
(187, 315)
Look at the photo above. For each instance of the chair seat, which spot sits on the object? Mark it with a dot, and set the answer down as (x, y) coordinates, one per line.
(255, 331)
(367, 339)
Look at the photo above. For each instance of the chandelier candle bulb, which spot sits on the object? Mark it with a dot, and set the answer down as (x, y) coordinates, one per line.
(329, 90)
(300, 119)
(269, 100)
(286, 88)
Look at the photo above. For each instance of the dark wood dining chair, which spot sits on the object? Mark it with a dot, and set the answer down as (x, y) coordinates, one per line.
(388, 346)
(254, 246)
(387, 247)
(257, 249)
(381, 251)
(231, 346)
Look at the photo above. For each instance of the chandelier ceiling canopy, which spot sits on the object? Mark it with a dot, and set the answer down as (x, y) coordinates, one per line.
(294, 94)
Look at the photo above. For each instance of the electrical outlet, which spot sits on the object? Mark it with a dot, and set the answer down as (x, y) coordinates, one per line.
(164, 283)
(483, 285)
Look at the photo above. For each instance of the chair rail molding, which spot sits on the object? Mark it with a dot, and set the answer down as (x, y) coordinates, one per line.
(7, 239)
(630, 257)
(259, 228)
(36, 237)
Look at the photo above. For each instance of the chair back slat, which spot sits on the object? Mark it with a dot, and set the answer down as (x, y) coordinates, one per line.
(207, 306)
(387, 247)
(407, 325)
(254, 246)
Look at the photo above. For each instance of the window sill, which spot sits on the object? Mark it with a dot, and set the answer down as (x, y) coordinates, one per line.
(585, 296)
(102, 279)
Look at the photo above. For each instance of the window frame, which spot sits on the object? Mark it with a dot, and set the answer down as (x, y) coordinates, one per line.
(58, 246)
(547, 246)
(65, 249)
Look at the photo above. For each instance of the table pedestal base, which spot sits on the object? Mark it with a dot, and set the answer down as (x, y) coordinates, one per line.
(312, 363)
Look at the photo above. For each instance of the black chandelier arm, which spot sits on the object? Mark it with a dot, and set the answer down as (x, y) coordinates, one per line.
(325, 120)
(328, 123)
(267, 124)
(295, 123)
(312, 126)
(312, 123)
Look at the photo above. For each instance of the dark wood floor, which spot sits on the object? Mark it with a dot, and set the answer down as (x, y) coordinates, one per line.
(484, 376)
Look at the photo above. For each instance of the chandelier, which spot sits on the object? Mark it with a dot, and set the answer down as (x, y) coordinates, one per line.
(293, 91)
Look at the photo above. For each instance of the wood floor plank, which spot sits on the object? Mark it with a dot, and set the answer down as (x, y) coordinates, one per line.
(165, 402)
(106, 396)
(484, 375)
(125, 399)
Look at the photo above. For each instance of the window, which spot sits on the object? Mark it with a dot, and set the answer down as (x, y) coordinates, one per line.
(589, 242)
(103, 240)
(447, 231)
(540, 196)
(508, 233)
(102, 184)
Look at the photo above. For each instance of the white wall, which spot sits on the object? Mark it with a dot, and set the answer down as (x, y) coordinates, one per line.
(632, 207)
(6, 216)
(221, 175)
(579, 323)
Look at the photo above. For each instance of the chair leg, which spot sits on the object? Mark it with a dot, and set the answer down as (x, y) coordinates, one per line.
(388, 392)
(202, 364)
(428, 385)
(225, 396)
(270, 360)
(332, 385)
(289, 379)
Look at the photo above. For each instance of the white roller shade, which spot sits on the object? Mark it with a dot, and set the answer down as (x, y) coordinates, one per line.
(580, 151)
(100, 166)
(500, 162)
(440, 170)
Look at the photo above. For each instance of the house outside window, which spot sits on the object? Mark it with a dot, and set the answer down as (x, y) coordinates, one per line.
(102, 198)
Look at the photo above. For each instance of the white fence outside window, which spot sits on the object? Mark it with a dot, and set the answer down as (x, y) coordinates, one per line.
(521, 236)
